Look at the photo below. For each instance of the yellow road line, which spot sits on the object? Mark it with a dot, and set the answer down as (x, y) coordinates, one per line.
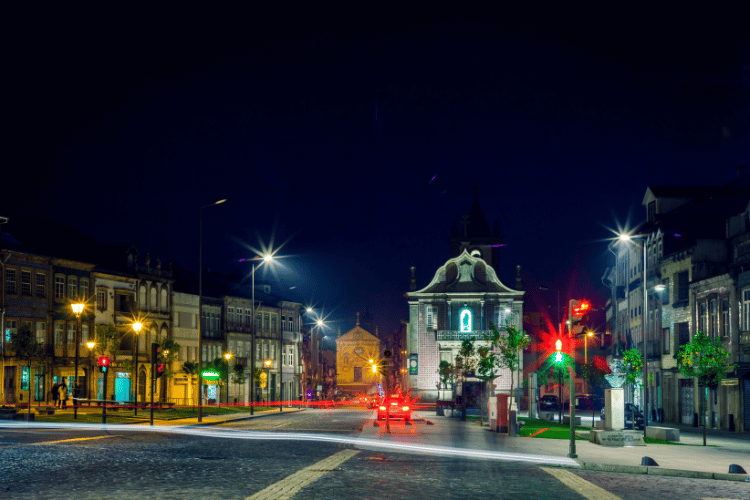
(291, 485)
(580, 485)
(58, 441)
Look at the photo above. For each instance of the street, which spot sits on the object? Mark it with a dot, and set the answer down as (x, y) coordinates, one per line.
(322, 453)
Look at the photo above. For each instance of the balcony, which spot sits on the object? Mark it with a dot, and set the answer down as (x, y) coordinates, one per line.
(455, 335)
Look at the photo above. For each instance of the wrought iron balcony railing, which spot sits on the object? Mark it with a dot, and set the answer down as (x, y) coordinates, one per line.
(460, 336)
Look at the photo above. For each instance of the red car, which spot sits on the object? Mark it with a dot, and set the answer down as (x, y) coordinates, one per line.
(398, 408)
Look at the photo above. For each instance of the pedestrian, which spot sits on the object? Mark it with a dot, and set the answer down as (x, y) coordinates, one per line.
(56, 394)
(63, 395)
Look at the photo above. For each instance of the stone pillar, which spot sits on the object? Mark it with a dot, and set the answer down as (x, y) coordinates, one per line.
(614, 404)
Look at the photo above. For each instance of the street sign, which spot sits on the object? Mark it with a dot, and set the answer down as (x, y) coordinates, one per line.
(210, 375)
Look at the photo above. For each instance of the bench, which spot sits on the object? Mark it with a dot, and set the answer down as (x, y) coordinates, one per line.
(663, 433)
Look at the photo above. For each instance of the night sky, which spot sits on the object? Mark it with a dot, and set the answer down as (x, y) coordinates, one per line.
(353, 138)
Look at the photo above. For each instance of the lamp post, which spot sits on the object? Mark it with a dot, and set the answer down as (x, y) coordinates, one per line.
(227, 356)
(200, 303)
(90, 344)
(644, 316)
(267, 365)
(315, 365)
(264, 259)
(136, 329)
(77, 309)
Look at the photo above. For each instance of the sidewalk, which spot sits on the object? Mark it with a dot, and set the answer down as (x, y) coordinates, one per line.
(688, 459)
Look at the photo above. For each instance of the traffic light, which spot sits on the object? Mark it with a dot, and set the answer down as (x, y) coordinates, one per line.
(103, 362)
(558, 353)
(579, 313)
(158, 364)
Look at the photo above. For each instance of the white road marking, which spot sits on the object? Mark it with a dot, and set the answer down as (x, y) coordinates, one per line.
(580, 485)
(291, 485)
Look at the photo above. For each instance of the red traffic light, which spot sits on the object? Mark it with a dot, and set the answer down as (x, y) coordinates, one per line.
(103, 361)
(582, 308)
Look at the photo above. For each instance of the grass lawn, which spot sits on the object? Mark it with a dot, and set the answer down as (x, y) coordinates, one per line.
(534, 427)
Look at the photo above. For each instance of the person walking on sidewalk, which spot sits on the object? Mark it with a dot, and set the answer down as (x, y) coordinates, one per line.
(63, 395)
(56, 394)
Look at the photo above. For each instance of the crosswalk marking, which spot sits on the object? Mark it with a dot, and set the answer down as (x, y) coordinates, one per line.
(291, 485)
(580, 485)
(59, 441)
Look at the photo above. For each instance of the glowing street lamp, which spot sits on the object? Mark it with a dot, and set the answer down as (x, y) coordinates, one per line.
(200, 303)
(227, 356)
(77, 309)
(267, 365)
(624, 237)
(136, 330)
(263, 260)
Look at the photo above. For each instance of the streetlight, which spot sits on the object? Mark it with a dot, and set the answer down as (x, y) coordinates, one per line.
(267, 364)
(136, 329)
(200, 303)
(265, 258)
(90, 344)
(626, 237)
(77, 309)
(228, 356)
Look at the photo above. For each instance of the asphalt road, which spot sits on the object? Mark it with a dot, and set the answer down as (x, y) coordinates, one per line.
(243, 460)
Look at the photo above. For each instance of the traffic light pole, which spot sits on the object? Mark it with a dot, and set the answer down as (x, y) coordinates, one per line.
(104, 403)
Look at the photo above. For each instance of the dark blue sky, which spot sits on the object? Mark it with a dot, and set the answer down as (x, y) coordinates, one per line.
(356, 136)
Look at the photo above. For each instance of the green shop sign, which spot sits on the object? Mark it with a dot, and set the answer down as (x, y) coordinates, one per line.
(210, 375)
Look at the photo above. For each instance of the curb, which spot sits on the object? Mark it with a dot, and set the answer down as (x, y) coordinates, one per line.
(658, 471)
(249, 417)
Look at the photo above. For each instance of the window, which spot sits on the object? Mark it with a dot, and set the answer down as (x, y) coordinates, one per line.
(429, 317)
(257, 320)
(725, 317)
(142, 296)
(665, 340)
(273, 323)
(10, 281)
(683, 332)
(714, 318)
(71, 334)
(164, 305)
(230, 314)
(41, 285)
(153, 298)
(651, 210)
(357, 374)
(84, 333)
(41, 332)
(265, 351)
(745, 310)
(25, 283)
(266, 321)
(101, 299)
(683, 287)
(702, 317)
(59, 287)
(10, 328)
(58, 334)
(72, 287)
(83, 287)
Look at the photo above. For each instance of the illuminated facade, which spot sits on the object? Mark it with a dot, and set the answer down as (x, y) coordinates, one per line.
(354, 351)
(463, 298)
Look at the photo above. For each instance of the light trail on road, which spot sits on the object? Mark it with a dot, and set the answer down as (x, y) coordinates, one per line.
(289, 436)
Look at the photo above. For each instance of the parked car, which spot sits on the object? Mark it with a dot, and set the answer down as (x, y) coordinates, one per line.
(548, 403)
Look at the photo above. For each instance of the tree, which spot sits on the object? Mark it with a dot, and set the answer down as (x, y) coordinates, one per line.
(487, 366)
(509, 342)
(632, 365)
(465, 364)
(24, 344)
(446, 374)
(705, 359)
(169, 350)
